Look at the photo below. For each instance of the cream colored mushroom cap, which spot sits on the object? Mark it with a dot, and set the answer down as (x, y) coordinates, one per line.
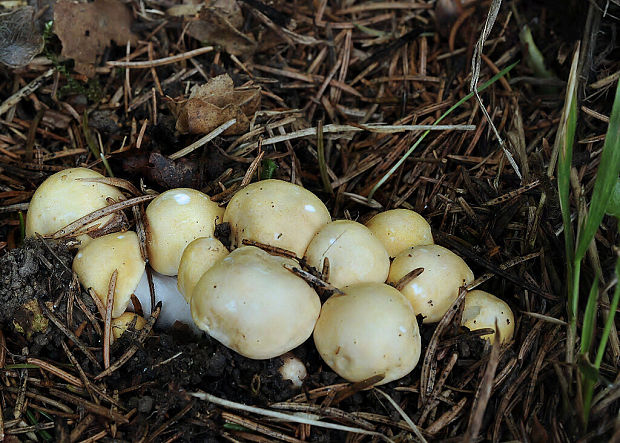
(355, 254)
(95, 263)
(369, 330)
(174, 219)
(121, 324)
(250, 303)
(432, 292)
(62, 199)
(482, 309)
(399, 229)
(197, 258)
(276, 213)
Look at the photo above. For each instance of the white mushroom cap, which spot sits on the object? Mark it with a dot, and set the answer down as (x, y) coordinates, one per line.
(355, 254)
(293, 369)
(276, 213)
(482, 309)
(250, 303)
(122, 323)
(399, 229)
(95, 263)
(197, 259)
(62, 199)
(432, 292)
(174, 219)
(369, 330)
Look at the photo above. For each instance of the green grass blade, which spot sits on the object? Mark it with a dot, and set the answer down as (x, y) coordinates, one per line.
(613, 307)
(606, 178)
(398, 164)
(613, 207)
(563, 148)
(564, 145)
(589, 319)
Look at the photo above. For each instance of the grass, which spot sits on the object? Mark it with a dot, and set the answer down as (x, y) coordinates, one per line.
(589, 218)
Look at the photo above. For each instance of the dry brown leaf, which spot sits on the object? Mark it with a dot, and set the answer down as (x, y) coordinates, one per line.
(85, 29)
(20, 40)
(218, 24)
(214, 103)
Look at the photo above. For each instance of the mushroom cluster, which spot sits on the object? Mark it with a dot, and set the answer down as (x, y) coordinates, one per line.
(257, 298)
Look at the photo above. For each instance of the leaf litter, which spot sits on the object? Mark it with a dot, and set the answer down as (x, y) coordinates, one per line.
(309, 66)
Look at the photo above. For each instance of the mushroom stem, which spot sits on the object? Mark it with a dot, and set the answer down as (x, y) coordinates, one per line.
(174, 306)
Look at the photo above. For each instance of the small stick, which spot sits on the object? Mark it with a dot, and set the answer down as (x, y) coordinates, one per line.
(408, 277)
(107, 331)
(271, 249)
(309, 278)
(203, 140)
(160, 61)
(68, 333)
(56, 371)
(100, 213)
(114, 181)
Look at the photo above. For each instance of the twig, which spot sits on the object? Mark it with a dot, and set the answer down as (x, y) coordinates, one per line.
(160, 61)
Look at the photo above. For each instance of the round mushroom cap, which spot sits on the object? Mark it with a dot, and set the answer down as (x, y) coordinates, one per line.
(197, 259)
(276, 213)
(62, 199)
(121, 324)
(250, 303)
(355, 254)
(174, 219)
(95, 263)
(432, 292)
(369, 330)
(399, 229)
(482, 309)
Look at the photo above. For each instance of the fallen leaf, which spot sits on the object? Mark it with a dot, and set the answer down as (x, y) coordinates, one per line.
(218, 24)
(86, 29)
(214, 103)
(20, 40)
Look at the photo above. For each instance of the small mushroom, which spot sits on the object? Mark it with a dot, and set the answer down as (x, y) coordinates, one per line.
(63, 198)
(293, 370)
(250, 303)
(355, 255)
(197, 258)
(95, 263)
(174, 219)
(399, 229)
(122, 323)
(482, 309)
(433, 291)
(276, 213)
(369, 330)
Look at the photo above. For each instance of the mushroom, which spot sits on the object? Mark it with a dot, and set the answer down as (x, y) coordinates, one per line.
(355, 255)
(276, 213)
(197, 258)
(174, 219)
(293, 370)
(433, 291)
(399, 229)
(369, 330)
(95, 263)
(122, 323)
(250, 303)
(175, 309)
(482, 309)
(63, 198)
